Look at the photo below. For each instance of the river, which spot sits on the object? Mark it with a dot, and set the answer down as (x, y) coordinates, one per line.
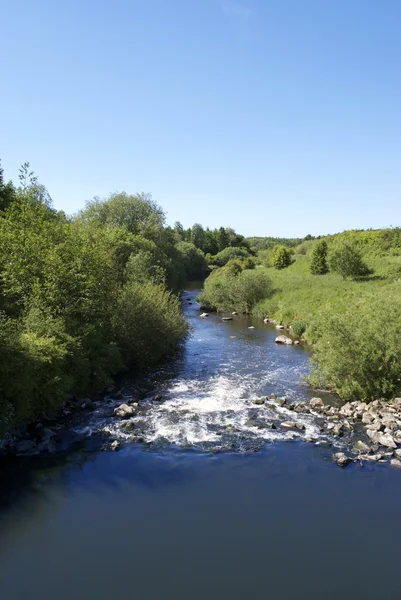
(211, 503)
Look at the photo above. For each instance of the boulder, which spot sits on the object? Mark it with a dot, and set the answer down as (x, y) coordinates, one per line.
(296, 343)
(114, 446)
(316, 403)
(227, 318)
(204, 315)
(283, 339)
(234, 313)
(395, 462)
(347, 410)
(367, 418)
(384, 439)
(341, 459)
(124, 411)
(265, 320)
(292, 425)
(259, 401)
(281, 401)
(251, 327)
(157, 398)
(280, 327)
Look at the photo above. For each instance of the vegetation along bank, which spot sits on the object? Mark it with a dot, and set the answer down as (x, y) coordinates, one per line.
(84, 297)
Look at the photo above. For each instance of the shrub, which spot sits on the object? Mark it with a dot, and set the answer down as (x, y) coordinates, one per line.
(241, 292)
(147, 323)
(229, 253)
(280, 257)
(346, 259)
(318, 264)
(299, 327)
(358, 354)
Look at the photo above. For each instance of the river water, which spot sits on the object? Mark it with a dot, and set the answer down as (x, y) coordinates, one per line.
(213, 503)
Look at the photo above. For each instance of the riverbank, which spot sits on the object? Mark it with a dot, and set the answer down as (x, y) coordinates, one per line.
(232, 390)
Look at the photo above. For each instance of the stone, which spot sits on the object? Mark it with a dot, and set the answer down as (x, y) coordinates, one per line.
(361, 446)
(341, 459)
(280, 327)
(384, 439)
(398, 453)
(234, 313)
(259, 401)
(375, 426)
(281, 401)
(367, 418)
(124, 411)
(272, 396)
(251, 327)
(25, 447)
(316, 403)
(335, 428)
(227, 318)
(347, 410)
(283, 339)
(296, 343)
(265, 320)
(204, 315)
(157, 398)
(114, 446)
(395, 462)
(292, 425)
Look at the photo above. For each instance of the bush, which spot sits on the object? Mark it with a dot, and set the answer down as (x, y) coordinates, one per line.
(225, 292)
(358, 354)
(280, 257)
(319, 259)
(299, 327)
(147, 323)
(229, 253)
(346, 259)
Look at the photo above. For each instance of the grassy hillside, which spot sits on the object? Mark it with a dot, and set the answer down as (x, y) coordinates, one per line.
(299, 295)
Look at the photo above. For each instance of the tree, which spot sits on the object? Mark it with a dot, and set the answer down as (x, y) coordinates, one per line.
(318, 264)
(223, 239)
(179, 231)
(281, 257)
(7, 191)
(346, 259)
(193, 260)
(198, 236)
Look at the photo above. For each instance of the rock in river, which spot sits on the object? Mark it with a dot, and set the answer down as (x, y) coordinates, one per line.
(283, 339)
(124, 411)
(341, 459)
(316, 403)
(384, 439)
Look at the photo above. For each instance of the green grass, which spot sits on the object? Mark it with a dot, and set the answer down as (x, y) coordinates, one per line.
(300, 295)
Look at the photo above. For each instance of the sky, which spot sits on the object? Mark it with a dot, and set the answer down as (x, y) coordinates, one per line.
(274, 117)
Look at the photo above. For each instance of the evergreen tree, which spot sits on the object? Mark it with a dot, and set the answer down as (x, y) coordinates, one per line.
(281, 257)
(318, 265)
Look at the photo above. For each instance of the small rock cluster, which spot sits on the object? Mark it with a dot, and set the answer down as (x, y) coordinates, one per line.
(379, 421)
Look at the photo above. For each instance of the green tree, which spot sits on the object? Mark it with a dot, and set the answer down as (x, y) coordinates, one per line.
(280, 257)
(318, 264)
(198, 236)
(346, 259)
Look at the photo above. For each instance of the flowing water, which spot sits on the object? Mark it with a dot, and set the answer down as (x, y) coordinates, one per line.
(213, 502)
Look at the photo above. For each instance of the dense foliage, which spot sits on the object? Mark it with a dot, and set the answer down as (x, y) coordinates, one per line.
(358, 354)
(227, 290)
(318, 265)
(346, 259)
(82, 298)
(280, 257)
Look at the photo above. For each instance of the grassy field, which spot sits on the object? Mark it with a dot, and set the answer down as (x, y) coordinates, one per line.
(299, 295)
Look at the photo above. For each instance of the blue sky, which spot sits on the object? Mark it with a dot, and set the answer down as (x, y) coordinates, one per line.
(274, 117)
